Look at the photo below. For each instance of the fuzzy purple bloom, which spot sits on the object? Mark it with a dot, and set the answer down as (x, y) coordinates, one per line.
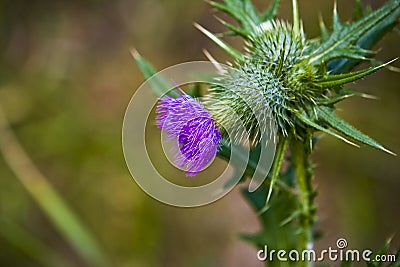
(191, 127)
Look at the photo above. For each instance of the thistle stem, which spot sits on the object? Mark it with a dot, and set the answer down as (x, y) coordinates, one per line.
(300, 153)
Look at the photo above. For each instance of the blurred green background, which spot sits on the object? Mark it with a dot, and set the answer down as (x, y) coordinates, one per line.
(66, 77)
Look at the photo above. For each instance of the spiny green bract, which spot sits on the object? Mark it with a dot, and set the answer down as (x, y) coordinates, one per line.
(287, 77)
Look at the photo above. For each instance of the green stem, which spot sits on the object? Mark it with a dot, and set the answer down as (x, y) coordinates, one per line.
(300, 154)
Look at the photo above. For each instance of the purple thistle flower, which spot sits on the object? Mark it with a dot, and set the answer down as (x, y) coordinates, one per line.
(191, 127)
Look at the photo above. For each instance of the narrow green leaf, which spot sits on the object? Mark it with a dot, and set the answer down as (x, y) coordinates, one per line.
(347, 91)
(272, 11)
(224, 151)
(341, 79)
(145, 67)
(343, 127)
(227, 48)
(375, 62)
(290, 218)
(235, 30)
(249, 9)
(275, 169)
(158, 83)
(225, 8)
(315, 125)
(333, 100)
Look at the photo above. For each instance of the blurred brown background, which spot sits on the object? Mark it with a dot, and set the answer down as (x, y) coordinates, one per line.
(66, 77)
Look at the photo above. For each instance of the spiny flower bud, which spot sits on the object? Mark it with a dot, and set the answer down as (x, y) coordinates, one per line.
(270, 80)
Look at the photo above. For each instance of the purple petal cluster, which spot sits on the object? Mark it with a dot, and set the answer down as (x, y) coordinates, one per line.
(191, 127)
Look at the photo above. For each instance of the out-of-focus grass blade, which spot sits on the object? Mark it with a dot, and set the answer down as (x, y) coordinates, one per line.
(52, 204)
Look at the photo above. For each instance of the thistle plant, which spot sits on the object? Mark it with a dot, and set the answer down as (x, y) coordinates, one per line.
(297, 82)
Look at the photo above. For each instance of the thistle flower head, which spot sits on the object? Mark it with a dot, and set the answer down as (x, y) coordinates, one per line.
(272, 79)
(291, 79)
(194, 133)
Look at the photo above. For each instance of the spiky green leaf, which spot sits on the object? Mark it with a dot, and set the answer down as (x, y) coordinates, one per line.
(244, 12)
(310, 122)
(348, 35)
(341, 79)
(274, 232)
(325, 114)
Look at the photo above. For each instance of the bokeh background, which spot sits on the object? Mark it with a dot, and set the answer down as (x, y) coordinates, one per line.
(66, 77)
